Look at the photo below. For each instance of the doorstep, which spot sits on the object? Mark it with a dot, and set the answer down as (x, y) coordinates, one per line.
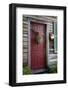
(40, 71)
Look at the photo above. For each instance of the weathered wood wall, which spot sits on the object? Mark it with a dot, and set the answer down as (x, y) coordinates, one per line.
(25, 30)
(25, 39)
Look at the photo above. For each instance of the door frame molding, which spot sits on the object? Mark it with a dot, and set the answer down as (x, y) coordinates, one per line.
(30, 19)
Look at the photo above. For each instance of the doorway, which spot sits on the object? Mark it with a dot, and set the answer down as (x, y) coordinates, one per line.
(38, 46)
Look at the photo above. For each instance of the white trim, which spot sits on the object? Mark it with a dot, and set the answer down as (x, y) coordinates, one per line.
(20, 78)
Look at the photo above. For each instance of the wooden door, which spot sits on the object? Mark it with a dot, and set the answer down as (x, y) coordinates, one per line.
(38, 50)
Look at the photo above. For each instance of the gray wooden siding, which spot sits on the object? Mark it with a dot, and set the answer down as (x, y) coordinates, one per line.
(25, 40)
(25, 30)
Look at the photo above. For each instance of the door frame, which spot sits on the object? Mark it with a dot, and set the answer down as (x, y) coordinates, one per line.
(29, 38)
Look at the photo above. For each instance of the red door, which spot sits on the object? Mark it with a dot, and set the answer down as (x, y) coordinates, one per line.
(38, 47)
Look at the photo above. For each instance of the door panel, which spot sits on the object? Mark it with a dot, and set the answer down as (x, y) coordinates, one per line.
(38, 50)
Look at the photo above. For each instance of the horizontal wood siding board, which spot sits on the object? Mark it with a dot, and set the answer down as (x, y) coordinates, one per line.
(25, 30)
(25, 26)
(25, 22)
(25, 18)
(25, 47)
(25, 40)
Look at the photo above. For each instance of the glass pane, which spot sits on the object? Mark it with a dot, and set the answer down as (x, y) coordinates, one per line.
(51, 39)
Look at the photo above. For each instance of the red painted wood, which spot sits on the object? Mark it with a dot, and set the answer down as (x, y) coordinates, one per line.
(38, 51)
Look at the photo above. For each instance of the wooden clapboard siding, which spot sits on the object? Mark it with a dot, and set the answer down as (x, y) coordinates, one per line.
(25, 39)
(34, 18)
(42, 18)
